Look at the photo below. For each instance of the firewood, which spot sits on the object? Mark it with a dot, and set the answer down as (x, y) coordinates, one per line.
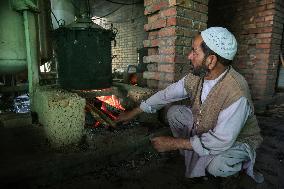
(100, 116)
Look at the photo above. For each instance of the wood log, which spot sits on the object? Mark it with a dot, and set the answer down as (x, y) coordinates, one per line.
(100, 116)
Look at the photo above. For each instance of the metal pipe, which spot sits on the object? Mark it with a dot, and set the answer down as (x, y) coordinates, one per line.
(32, 52)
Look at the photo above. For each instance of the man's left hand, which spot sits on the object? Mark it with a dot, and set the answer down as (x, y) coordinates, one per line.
(164, 143)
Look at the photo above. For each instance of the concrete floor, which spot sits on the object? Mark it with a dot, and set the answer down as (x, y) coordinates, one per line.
(124, 159)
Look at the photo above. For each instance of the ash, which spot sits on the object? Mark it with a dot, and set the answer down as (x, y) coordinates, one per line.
(106, 129)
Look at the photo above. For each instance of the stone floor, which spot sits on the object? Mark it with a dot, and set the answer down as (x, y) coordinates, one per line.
(138, 168)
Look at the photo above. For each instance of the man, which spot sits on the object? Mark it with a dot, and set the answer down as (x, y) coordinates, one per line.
(218, 133)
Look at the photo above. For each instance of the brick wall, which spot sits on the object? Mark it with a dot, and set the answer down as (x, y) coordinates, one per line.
(258, 26)
(171, 26)
(129, 21)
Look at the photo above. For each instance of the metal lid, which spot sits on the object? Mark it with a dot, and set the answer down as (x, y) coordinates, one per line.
(82, 24)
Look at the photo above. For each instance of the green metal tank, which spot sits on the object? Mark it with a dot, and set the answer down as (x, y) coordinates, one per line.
(13, 51)
(12, 40)
(83, 51)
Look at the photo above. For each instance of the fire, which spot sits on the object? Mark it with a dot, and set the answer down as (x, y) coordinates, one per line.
(111, 100)
(100, 110)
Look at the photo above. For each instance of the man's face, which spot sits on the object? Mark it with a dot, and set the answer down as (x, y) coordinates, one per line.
(197, 58)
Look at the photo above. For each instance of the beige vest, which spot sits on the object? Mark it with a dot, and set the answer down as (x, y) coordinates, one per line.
(231, 87)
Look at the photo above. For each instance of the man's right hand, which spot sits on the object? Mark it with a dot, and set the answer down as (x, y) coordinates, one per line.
(125, 117)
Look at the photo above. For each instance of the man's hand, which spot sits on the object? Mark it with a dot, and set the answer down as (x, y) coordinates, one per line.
(166, 143)
(125, 117)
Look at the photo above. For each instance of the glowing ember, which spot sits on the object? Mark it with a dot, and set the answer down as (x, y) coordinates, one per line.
(111, 100)
(96, 124)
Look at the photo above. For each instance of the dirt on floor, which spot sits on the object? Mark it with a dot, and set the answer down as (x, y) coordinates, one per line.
(156, 170)
(141, 169)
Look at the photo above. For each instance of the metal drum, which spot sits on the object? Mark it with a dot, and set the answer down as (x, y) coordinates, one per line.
(83, 52)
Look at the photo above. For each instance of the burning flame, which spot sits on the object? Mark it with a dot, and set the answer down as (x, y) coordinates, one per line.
(111, 100)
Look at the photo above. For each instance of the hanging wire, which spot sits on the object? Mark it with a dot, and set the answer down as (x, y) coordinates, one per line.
(133, 3)
(108, 13)
(88, 9)
(57, 21)
(75, 6)
(132, 8)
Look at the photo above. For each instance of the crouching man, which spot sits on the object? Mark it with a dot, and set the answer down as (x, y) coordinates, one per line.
(218, 132)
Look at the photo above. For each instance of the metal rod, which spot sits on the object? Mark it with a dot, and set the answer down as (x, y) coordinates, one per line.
(32, 52)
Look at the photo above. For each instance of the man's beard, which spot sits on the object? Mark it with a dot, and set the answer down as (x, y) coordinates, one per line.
(201, 70)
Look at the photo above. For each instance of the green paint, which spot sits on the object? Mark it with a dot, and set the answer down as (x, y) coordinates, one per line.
(32, 53)
(12, 40)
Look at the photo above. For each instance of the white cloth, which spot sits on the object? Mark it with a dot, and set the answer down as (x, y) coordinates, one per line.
(221, 41)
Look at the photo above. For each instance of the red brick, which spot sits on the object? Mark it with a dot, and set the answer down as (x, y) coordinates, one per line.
(163, 84)
(155, 42)
(249, 26)
(263, 35)
(190, 33)
(181, 59)
(146, 43)
(193, 14)
(263, 46)
(153, 35)
(172, 21)
(264, 40)
(259, 9)
(259, 19)
(270, 6)
(159, 24)
(151, 58)
(261, 2)
(259, 71)
(261, 30)
(167, 50)
(146, 12)
(166, 68)
(266, 13)
(149, 75)
(147, 2)
(169, 12)
(264, 24)
(204, 18)
(183, 41)
(153, 18)
(270, 17)
(184, 22)
(166, 76)
(167, 32)
(176, 2)
(201, 8)
(262, 56)
(167, 58)
(152, 84)
(152, 51)
(147, 27)
(161, 5)
(169, 41)
(151, 43)
(153, 67)
(155, 7)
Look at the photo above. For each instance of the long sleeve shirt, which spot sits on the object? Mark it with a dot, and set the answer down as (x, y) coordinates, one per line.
(229, 124)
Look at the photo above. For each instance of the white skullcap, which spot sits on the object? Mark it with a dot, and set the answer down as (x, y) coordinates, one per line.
(221, 41)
